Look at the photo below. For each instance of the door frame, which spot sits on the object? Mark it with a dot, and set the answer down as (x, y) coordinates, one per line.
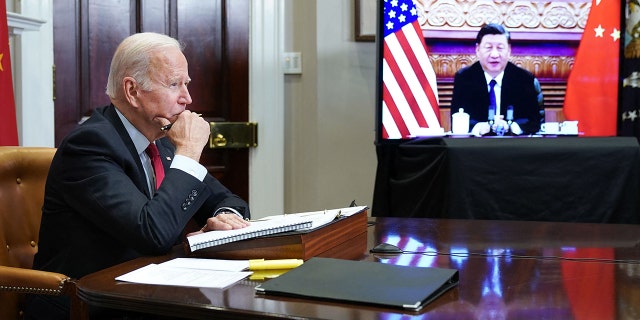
(266, 107)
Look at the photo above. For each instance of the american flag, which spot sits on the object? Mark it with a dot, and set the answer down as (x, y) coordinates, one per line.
(409, 90)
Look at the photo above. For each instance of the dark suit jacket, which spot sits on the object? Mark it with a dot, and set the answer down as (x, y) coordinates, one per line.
(97, 208)
(519, 89)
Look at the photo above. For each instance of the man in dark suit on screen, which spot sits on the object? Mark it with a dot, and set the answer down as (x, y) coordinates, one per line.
(517, 102)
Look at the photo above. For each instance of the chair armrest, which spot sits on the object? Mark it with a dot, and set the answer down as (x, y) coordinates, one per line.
(33, 281)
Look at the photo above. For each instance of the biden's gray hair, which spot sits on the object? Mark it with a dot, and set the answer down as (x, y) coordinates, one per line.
(132, 59)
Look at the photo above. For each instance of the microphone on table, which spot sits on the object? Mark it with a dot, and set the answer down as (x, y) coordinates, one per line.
(491, 121)
(509, 121)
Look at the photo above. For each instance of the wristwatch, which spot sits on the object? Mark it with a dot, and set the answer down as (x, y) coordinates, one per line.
(227, 210)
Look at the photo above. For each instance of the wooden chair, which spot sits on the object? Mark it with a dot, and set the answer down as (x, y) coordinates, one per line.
(23, 172)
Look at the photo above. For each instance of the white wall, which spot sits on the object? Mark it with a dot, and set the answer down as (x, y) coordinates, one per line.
(329, 109)
(32, 60)
(266, 82)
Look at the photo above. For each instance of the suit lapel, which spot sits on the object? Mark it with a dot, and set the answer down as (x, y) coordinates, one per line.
(111, 115)
(507, 81)
(482, 93)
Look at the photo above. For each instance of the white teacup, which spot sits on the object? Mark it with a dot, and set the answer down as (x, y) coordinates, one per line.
(550, 127)
(569, 127)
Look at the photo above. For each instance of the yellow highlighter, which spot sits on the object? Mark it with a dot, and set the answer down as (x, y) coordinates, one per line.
(261, 264)
(267, 274)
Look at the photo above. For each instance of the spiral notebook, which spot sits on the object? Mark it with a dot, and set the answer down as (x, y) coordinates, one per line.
(256, 229)
(271, 225)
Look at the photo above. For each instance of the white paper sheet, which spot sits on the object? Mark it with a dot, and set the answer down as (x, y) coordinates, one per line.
(186, 277)
(208, 264)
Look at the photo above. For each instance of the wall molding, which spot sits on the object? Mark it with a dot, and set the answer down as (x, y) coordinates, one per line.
(266, 106)
(19, 23)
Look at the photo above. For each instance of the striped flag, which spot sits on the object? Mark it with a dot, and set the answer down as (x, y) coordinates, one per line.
(8, 124)
(409, 89)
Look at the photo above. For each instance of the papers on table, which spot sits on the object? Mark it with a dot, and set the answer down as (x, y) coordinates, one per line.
(208, 273)
(216, 273)
(190, 272)
(319, 218)
(208, 264)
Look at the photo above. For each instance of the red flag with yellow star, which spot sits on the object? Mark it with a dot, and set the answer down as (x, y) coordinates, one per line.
(592, 87)
(8, 124)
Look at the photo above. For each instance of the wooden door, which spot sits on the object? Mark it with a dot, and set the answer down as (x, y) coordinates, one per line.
(216, 36)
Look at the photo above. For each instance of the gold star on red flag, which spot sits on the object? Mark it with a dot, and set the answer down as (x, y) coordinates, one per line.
(1, 69)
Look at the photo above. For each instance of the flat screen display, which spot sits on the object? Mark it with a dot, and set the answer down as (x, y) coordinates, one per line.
(422, 44)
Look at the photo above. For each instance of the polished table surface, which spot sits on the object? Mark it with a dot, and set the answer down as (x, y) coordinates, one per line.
(508, 270)
(577, 179)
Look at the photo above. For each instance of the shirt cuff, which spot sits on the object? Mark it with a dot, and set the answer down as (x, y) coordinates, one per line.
(225, 210)
(189, 166)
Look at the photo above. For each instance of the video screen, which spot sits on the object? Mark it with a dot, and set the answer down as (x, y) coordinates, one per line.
(423, 44)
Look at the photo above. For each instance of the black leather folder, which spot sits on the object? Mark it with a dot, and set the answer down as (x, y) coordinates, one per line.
(365, 282)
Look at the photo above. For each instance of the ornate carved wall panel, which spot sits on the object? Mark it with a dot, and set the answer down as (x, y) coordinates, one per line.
(543, 66)
(557, 20)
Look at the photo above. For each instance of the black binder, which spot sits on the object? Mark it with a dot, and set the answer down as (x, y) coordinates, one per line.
(365, 282)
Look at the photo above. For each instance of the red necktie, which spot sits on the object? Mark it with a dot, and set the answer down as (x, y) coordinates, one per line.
(153, 153)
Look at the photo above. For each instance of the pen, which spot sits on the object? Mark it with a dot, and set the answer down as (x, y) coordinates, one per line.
(261, 264)
(168, 126)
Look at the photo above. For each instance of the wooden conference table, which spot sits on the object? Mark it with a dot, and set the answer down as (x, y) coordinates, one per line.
(508, 270)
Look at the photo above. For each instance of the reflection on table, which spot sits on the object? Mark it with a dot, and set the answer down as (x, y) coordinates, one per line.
(541, 179)
(508, 270)
(525, 270)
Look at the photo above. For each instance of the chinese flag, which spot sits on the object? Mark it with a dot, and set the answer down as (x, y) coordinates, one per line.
(8, 126)
(592, 87)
